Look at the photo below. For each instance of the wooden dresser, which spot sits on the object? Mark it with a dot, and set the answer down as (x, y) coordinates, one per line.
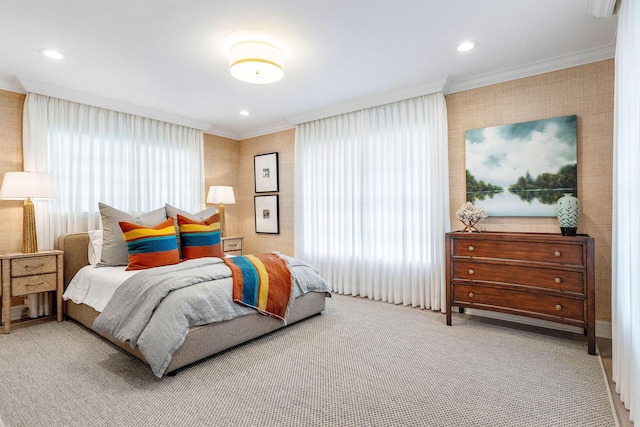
(545, 276)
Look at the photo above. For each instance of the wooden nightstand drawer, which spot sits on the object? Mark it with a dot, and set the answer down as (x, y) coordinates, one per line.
(232, 244)
(33, 284)
(30, 266)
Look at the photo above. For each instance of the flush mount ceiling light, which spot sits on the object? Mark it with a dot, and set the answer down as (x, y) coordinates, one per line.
(53, 54)
(466, 46)
(244, 112)
(256, 62)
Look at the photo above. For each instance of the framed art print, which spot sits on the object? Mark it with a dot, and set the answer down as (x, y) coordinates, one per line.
(522, 169)
(267, 215)
(265, 169)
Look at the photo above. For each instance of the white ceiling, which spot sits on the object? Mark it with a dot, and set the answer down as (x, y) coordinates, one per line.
(166, 59)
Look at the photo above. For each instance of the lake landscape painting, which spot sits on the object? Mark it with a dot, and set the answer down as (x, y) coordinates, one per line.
(522, 169)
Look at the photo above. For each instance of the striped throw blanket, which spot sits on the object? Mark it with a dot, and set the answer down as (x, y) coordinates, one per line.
(261, 281)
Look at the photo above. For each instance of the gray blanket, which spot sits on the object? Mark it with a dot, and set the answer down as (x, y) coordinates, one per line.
(155, 308)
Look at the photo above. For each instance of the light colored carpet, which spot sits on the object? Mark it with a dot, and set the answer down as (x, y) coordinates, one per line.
(360, 363)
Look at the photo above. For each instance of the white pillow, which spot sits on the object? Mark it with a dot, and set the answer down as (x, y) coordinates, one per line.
(95, 246)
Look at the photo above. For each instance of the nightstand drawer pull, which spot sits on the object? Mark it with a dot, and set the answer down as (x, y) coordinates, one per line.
(557, 253)
(33, 267)
(232, 245)
(471, 271)
(471, 248)
(34, 285)
(471, 294)
(558, 307)
(557, 280)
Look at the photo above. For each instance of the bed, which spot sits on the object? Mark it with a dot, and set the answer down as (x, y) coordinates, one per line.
(201, 341)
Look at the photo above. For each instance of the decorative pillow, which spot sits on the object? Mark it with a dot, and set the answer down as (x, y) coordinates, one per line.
(95, 246)
(151, 247)
(172, 212)
(200, 238)
(114, 248)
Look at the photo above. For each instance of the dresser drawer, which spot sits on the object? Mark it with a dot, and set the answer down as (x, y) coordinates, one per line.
(547, 278)
(32, 284)
(518, 301)
(553, 252)
(33, 265)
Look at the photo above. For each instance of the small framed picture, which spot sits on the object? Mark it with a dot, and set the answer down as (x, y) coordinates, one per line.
(265, 169)
(267, 215)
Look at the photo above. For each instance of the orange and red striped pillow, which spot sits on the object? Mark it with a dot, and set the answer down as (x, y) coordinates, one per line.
(200, 238)
(151, 247)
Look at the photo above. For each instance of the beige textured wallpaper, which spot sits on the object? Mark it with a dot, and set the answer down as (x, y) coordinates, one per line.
(586, 91)
(10, 161)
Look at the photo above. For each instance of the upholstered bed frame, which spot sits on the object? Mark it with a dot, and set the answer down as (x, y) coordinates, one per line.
(202, 341)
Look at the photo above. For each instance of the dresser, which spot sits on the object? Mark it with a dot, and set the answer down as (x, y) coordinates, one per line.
(539, 275)
(25, 274)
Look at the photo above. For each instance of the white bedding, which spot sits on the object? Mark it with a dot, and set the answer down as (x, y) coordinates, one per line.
(94, 286)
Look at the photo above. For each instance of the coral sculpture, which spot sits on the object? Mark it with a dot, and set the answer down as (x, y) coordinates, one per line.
(470, 215)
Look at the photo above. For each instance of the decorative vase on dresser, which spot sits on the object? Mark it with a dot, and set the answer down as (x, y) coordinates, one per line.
(568, 212)
(544, 276)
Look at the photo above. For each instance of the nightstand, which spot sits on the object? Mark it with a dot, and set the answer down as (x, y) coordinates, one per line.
(25, 274)
(232, 245)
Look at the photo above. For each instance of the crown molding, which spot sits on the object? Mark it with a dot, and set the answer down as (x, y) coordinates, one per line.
(11, 84)
(110, 104)
(279, 127)
(602, 8)
(535, 68)
(225, 133)
(369, 101)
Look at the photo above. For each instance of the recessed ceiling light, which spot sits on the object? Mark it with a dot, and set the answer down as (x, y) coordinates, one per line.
(244, 112)
(49, 53)
(466, 46)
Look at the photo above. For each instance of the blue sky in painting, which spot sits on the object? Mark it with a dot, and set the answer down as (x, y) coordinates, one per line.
(501, 154)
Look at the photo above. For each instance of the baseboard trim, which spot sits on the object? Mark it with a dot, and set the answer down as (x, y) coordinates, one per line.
(603, 328)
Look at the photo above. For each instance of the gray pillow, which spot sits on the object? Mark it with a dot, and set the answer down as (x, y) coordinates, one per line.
(172, 212)
(114, 248)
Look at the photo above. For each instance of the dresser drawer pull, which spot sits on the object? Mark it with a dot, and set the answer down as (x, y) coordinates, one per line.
(558, 307)
(34, 285)
(471, 271)
(557, 280)
(471, 248)
(471, 294)
(33, 267)
(557, 253)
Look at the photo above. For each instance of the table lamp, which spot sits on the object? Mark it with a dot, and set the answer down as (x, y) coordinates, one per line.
(221, 194)
(27, 186)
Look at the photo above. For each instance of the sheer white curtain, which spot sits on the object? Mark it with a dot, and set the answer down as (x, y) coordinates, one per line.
(626, 205)
(372, 200)
(97, 155)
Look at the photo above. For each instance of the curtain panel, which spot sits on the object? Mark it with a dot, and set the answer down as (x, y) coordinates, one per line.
(96, 155)
(626, 204)
(372, 201)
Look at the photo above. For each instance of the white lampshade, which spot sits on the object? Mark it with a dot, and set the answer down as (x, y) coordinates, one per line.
(23, 185)
(256, 62)
(221, 194)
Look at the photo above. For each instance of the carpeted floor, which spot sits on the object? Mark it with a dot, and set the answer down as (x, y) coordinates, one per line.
(360, 363)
